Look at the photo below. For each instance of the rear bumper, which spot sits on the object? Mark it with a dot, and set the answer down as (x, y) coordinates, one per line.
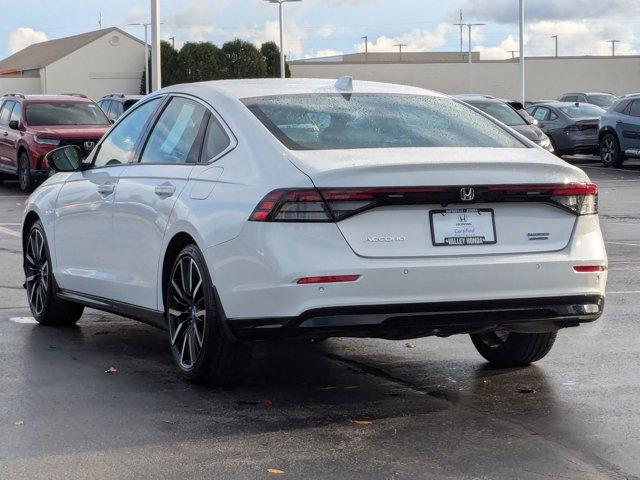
(426, 319)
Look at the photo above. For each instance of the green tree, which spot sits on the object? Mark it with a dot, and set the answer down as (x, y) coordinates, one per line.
(201, 61)
(170, 64)
(271, 53)
(243, 60)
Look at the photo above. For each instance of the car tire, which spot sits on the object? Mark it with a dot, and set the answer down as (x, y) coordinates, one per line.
(201, 352)
(45, 307)
(24, 173)
(510, 349)
(610, 152)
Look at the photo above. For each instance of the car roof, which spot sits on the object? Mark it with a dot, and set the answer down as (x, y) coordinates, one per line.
(48, 98)
(265, 87)
(123, 97)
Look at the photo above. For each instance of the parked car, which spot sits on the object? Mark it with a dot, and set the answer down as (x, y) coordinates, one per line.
(315, 209)
(115, 104)
(600, 99)
(620, 131)
(32, 125)
(511, 114)
(572, 127)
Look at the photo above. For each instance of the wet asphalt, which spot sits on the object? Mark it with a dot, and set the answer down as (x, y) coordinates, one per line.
(357, 409)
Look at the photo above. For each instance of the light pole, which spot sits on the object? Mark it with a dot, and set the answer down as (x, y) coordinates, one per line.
(156, 74)
(613, 46)
(556, 39)
(400, 45)
(282, 63)
(366, 48)
(522, 85)
(146, 54)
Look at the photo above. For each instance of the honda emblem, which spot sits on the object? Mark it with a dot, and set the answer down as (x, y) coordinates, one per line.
(467, 194)
(88, 146)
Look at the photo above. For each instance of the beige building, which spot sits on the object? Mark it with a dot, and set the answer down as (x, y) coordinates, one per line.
(93, 63)
(546, 77)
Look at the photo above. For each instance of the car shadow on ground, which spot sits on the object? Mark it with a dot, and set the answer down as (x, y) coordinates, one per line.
(65, 391)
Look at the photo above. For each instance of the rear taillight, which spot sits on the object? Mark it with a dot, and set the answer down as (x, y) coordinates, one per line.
(335, 204)
(292, 206)
(580, 198)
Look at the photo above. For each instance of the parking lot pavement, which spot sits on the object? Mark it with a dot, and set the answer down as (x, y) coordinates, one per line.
(428, 408)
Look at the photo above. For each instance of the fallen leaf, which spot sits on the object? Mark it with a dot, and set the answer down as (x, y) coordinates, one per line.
(409, 345)
(527, 390)
(111, 370)
(486, 380)
(18, 423)
(275, 471)
(361, 422)
(265, 402)
(169, 422)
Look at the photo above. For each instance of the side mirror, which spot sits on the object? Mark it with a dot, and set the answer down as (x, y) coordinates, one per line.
(14, 125)
(65, 159)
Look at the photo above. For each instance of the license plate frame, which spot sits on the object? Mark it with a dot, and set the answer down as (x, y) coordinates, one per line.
(464, 240)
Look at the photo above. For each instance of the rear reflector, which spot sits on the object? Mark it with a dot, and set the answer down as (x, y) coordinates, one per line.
(589, 268)
(335, 204)
(329, 279)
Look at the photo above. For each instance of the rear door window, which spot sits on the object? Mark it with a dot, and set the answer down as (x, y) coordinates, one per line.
(177, 136)
(634, 111)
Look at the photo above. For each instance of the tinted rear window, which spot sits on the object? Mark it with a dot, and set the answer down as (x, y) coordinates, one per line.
(582, 111)
(602, 100)
(350, 121)
(501, 112)
(65, 114)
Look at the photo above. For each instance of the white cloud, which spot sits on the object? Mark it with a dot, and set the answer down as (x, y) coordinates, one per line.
(294, 35)
(193, 21)
(327, 53)
(25, 36)
(415, 40)
(575, 38)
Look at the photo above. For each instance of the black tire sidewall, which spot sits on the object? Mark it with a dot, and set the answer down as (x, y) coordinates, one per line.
(24, 173)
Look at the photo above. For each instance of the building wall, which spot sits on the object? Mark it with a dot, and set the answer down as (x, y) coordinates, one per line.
(101, 67)
(546, 78)
(19, 84)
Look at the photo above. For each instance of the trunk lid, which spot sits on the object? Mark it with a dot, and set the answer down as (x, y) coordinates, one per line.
(419, 230)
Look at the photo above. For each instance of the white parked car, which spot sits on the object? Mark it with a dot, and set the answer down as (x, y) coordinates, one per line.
(240, 211)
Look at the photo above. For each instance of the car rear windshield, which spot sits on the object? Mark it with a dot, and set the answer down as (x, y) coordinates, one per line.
(72, 113)
(501, 112)
(328, 121)
(582, 111)
(602, 100)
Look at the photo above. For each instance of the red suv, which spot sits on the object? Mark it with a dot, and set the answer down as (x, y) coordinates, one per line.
(32, 125)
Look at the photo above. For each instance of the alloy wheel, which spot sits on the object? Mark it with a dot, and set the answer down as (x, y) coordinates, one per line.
(608, 150)
(186, 311)
(37, 272)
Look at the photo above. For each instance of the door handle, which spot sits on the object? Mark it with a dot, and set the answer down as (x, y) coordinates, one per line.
(5, 134)
(106, 189)
(165, 190)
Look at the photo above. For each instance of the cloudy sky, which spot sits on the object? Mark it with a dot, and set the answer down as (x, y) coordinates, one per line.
(325, 27)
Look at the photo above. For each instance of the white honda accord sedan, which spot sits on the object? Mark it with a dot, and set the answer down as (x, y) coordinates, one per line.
(241, 211)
